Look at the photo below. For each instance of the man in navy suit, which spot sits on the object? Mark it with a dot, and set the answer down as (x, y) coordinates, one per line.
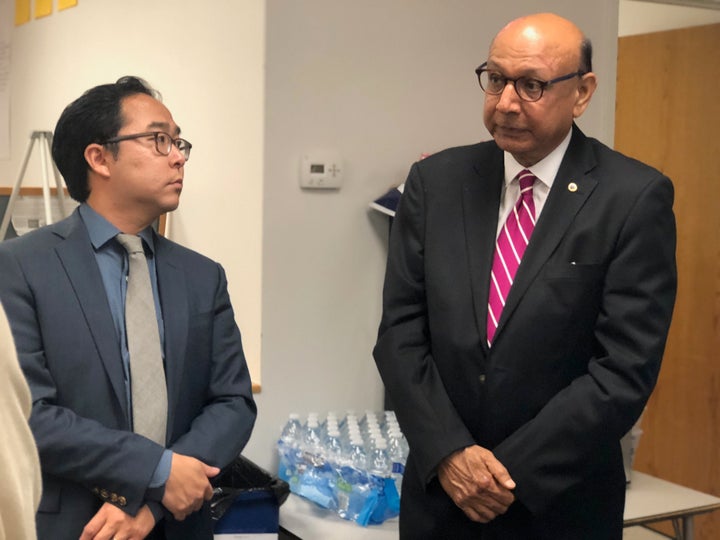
(517, 436)
(63, 287)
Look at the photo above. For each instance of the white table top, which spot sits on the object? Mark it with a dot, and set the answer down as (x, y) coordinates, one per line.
(652, 499)
(648, 499)
(306, 519)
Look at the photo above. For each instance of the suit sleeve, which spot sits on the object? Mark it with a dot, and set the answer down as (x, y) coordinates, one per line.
(583, 423)
(403, 349)
(224, 424)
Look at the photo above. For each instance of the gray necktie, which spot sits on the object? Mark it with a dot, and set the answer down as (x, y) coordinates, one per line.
(147, 376)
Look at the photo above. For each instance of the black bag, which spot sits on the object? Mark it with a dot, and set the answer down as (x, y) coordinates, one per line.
(241, 477)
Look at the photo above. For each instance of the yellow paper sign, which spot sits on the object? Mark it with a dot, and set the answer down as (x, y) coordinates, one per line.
(43, 8)
(22, 12)
(64, 4)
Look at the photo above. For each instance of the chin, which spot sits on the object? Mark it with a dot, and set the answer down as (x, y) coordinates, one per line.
(170, 205)
(509, 144)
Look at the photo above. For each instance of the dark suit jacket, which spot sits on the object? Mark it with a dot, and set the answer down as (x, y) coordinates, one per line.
(578, 347)
(53, 293)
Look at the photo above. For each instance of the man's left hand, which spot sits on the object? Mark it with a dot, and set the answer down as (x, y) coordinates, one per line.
(477, 483)
(111, 523)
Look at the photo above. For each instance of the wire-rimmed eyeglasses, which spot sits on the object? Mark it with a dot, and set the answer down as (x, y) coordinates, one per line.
(493, 82)
(163, 142)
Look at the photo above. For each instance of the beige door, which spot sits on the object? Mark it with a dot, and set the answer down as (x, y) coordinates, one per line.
(668, 115)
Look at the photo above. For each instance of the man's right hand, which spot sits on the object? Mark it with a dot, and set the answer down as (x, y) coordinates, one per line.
(477, 483)
(188, 486)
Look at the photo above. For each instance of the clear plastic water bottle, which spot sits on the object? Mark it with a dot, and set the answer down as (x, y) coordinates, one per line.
(312, 444)
(289, 449)
(292, 432)
(317, 482)
(379, 464)
(333, 448)
(358, 457)
(397, 455)
(356, 488)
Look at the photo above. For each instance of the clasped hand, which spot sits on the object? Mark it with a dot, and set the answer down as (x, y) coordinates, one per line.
(477, 483)
(188, 486)
(110, 522)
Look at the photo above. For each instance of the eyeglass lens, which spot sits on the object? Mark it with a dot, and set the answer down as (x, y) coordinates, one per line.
(164, 144)
(494, 83)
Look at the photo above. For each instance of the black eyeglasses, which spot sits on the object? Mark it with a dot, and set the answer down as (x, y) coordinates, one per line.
(163, 142)
(493, 82)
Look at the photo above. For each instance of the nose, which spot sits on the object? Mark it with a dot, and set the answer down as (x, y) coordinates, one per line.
(177, 156)
(509, 100)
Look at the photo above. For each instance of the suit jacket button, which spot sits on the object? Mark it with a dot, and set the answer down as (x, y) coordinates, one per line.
(114, 497)
(104, 494)
(122, 501)
(481, 378)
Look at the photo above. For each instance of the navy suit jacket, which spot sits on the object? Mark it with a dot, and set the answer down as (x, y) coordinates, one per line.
(69, 351)
(578, 347)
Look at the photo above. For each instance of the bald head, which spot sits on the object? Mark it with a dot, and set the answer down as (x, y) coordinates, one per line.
(557, 39)
(541, 77)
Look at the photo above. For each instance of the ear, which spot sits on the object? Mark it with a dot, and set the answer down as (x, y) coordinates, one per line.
(586, 88)
(96, 156)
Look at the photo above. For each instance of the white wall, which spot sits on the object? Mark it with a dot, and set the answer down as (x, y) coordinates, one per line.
(642, 17)
(207, 60)
(379, 82)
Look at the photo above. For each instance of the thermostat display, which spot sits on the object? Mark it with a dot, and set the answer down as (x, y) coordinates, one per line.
(321, 171)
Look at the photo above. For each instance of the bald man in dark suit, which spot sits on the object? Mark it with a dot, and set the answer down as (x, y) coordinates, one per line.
(514, 413)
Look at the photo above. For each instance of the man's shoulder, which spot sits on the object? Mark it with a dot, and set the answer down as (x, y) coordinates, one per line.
(614, 161)
(171, 250)
(470, 153)
(456, 164)
(41, 239)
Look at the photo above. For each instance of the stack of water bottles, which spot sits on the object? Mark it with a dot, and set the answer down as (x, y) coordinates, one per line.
(349, 465)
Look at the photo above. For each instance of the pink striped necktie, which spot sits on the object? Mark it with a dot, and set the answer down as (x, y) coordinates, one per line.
(510, 247)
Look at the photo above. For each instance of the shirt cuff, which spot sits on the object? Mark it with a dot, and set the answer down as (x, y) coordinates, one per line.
(156, 489)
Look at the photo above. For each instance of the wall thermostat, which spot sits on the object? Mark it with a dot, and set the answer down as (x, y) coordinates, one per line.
(321, 171)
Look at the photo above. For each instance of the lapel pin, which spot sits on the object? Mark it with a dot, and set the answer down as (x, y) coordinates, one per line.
(572, 187)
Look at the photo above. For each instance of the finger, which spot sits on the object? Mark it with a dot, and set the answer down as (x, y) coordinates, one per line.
(479, 514)
(105, 534)
(497, 503)
(500, 473)
(211, 471)
(180, 516)
(498, 493)
(92, 527)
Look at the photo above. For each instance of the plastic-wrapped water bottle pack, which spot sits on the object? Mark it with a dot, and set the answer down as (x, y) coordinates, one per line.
(350, 465)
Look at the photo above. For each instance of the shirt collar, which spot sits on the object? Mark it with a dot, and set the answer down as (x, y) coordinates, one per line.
(101, 231)
(544, 170)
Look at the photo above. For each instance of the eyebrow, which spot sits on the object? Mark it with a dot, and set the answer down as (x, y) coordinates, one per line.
(164, 126)
(529, 73)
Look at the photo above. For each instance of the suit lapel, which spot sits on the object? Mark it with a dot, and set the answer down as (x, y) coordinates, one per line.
(173, 299)
(481, 199)
(78, 260)
(571, 188)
